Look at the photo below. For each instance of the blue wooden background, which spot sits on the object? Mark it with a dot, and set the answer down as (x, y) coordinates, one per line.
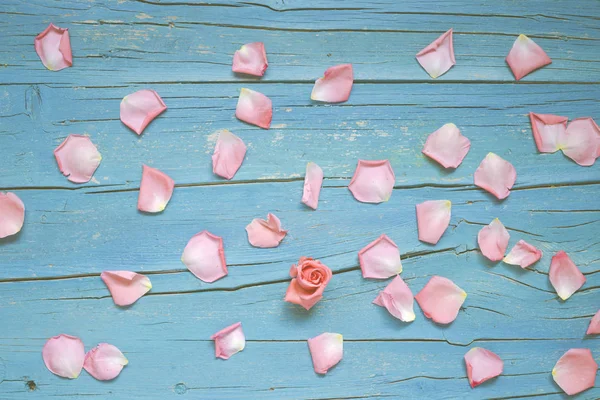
(49, 273)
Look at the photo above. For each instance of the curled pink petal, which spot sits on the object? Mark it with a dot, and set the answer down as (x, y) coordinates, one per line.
(583, 141)
(267, 233)
(156, 190)
(398, 299)
(140, 108)
(373, 181)
(493, 240)
(204, 257)
(433, 217)
(525, 57)
(482, 365)
(575, 371)
(312, 185)
(229, 154)
(564, 275)
(523, 254)
(326, 351)
(594, 327)
(254, 108)
(104, 362)
(229, 341)
(12, 214)
(53, 46)
(496, 175)
(63, 355)
(441, 299)
(549, 131)
(380, 259)
(335, 85)
(77, 158)
(447, 146)
(438, 57)
(126, 287)
(250, 59)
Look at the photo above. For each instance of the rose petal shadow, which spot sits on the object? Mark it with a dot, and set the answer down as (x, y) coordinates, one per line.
(392, 321)
(488, 263)
(12, 238)
(250, 77)
(443, 171)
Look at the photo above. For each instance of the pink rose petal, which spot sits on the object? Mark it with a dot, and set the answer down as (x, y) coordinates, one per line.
(156, 190)
(575, 371)
(594, 327)
(104, 362)
(267, 233)
(250, 59)
(53, 46)
(482, 365)
(335, 85)
(204, 257)
(441, 299)
(373, 181)
(493, 240)
(380, 259)
(398, 299)
(126, 287)
(549, 131)
(433, 217)
(525, 57)
(140, 108)
(438, 57)
(229, 154)
(254, 108)
(564, 275)
(313, 180)
(326, 351)
(447, 146)
(12, 214)
(582, 142)
(229, 341)
(77, 158)
(523, 254)
(496, 175)
(63, 355)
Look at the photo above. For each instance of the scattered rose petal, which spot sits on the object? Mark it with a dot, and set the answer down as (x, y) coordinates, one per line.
(447, 146)
(525, 57)
(335, 85)
(254, 108)
(312, 185)
(398, 299)
(575, 371)
(594, 327)
(53, 46)
(126, 287)
(63, 355)
(310, 278)
(523, 254)
(156, 190)
(433, 217)
(326, 351)
(265, 234)
(438, 57)
(12, 214)
(77, 158)
(482, 365)
(496, 175)
(373, 181)
(493, 240)
(250, 59)
(229, 341)
(380, 259)
(204, 257)
(229, 154)
(583, 141)
(140, 108)
(564, 275)
(104, 362)
(441, 299)
(549, 131)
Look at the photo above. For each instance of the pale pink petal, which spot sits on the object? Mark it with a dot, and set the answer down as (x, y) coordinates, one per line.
(493, 240)
(549, 131)
(398, 299)
(53, 46)
(380, 259)
(250, 59)
(447, 146)
(126, 287)
(156, 190)
(312, 185)
(229, 154)
(525, 57)
(229, 341)
(104, 362)
(254, 108)
(63, 355)
(433, 217)
(496, 175)
(438, 57)
(204, 257)
(267, 233)
(564, 275)
(582, 142)
(326, 351)
(523, 254)
(594, 327)
(335, 85)
(373, 181)
(482, 365)
(575, 371)
(441, 299)
(140, 108)
(12, 214)
(77, 158)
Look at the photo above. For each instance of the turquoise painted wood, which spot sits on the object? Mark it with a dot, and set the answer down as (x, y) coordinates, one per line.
(49, 273)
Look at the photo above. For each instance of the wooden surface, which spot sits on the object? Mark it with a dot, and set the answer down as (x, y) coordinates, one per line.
(49, 273)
